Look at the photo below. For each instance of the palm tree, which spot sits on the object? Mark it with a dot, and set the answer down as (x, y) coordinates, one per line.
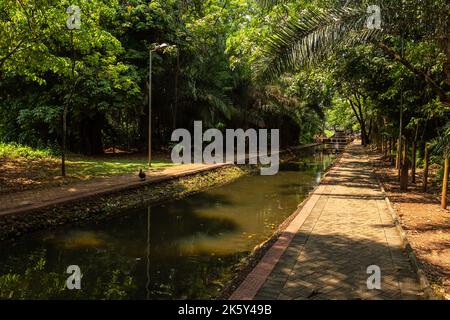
(307, 37)
(310, 35)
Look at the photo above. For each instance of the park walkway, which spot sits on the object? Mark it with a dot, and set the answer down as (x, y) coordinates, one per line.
(324, 253)
(24, 201)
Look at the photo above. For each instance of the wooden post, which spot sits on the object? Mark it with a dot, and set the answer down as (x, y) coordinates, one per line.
(425, 169)
(445, 184)
(413, 166)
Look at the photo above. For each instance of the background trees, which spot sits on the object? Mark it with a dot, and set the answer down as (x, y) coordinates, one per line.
(205, 74)
(302, 66)
(394, 78)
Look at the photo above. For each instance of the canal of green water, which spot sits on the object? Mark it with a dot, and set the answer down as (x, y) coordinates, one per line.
(184, 249)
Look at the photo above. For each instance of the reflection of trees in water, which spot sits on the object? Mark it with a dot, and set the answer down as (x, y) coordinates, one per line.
(198, 277)
(38, 280)
(110, 270)
(110, 276)
(173, 221)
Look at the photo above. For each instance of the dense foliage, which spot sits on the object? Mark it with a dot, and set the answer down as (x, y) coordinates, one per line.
(302, 66)
(100, 72)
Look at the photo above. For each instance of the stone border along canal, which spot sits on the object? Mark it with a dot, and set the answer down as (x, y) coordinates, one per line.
(98, 208)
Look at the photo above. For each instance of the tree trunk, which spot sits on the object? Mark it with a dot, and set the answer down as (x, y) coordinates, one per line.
(391, 150)
(404, 177)
(64, 142)
(357, 109)
(175, 106)
(445, 184)
(398, 158)
(413, 165)
(425, 169)
(91, 135)
(404, 170)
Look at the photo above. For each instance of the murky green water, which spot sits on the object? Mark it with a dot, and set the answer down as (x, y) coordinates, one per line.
(181, 249)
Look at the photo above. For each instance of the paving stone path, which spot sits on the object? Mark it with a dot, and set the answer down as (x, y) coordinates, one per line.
(324, 253)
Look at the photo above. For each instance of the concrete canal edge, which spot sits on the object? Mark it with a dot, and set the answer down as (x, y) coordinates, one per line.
(98, 206)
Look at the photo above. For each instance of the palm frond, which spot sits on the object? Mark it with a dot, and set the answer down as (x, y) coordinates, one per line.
(308, 38)
(271, 3)
(441, 145)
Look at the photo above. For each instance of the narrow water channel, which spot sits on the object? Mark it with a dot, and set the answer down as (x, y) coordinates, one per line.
(185, 249)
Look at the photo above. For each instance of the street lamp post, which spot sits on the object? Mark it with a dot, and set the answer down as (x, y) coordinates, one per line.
(73, 23)
(155, 49)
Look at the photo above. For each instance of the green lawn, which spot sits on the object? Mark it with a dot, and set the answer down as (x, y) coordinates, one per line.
(85, 167)
(15, 150)
(24, 167)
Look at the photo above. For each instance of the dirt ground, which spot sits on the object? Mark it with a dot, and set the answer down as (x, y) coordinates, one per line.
(19, 174)
(426, 224)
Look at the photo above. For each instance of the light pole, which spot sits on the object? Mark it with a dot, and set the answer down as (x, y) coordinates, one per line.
(73, 23)
(155, 49)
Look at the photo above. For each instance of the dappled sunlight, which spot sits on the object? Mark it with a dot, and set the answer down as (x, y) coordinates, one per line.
(95, 168)
(99, 98)
(81, 239)
(223, 245)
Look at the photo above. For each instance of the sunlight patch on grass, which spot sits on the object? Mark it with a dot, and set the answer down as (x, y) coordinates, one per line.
(87, 168)
(16, 150)
(43, 165)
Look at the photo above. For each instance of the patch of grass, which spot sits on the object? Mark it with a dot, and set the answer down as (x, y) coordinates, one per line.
(329, 133)
(26, 167)
(16, 150)
(84, 167)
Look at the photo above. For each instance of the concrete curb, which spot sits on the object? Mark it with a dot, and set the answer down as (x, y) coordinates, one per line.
(423, 280)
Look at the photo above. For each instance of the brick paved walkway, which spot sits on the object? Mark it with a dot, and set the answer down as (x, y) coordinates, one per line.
(324, 253)
(34, 199)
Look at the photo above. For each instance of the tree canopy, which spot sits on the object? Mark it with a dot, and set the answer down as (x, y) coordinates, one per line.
(302, 66)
